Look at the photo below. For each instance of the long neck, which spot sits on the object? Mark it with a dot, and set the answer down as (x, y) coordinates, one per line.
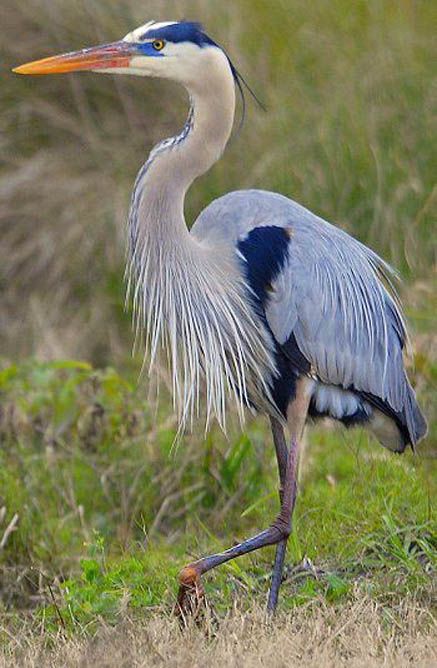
(158, 201)
(188, 297)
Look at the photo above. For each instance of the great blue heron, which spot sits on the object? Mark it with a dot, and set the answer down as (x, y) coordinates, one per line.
(261, 300)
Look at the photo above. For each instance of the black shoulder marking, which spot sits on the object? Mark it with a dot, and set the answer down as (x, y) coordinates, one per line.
(265, 250)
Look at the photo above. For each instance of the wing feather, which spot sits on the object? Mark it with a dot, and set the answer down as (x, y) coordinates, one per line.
(334, 296)
(345, 322)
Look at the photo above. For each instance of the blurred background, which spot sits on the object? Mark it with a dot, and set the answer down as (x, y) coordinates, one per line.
(348, 88)
(87, 464)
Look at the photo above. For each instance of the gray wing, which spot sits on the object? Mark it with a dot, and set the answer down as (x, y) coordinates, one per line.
(329, 294)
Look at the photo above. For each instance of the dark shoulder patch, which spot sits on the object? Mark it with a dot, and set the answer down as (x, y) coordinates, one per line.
(265, 251)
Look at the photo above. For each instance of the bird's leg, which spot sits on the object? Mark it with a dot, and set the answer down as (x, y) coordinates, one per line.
(281, 452)
(191, 592)
(289, 493)
(278, 531)
(296, 416)
(191, 595)
(190, 586)
(281, 457)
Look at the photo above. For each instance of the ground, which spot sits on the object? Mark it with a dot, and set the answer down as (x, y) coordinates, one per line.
(357, 635)
(100, 510)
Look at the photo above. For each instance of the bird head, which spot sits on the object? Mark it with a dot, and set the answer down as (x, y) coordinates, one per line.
(172, 50)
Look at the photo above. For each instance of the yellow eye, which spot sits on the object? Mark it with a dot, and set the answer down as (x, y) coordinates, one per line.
(158, 44)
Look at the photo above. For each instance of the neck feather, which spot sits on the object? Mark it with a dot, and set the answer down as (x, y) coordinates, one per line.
(162, 183)
(191, 298)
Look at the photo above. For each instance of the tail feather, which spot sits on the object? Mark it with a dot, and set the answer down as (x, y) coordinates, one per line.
(397, 429)
(415, 420)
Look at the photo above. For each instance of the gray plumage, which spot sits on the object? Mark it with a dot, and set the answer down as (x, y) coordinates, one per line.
(192, 295)
(331, 296)
(262, 301)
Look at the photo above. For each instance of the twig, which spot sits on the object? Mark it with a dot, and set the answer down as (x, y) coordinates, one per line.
(9, 529)
(58, 612)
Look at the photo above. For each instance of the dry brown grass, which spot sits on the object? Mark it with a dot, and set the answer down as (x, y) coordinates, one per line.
(360, 634)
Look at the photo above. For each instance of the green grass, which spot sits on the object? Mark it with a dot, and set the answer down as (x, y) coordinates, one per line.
(98, 511)
(108, 512)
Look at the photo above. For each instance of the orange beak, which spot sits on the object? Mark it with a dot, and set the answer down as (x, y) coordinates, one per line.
(107, 56)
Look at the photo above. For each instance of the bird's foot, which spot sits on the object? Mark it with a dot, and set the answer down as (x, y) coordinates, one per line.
(191, 596)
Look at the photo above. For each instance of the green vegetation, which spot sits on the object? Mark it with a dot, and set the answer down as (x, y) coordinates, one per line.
(98, 509)
(108, 511)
